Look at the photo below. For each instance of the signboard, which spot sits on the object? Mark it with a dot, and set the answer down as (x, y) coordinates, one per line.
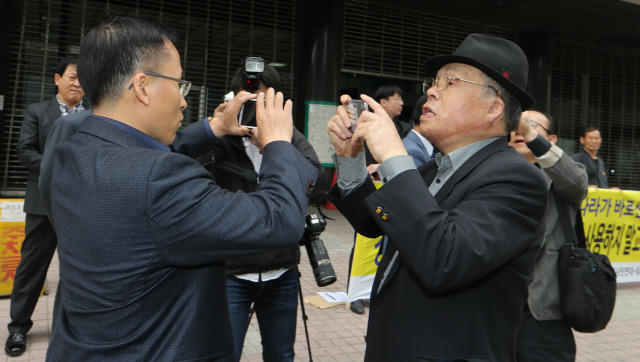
(612, 228)
(11, 237)
(318, 114)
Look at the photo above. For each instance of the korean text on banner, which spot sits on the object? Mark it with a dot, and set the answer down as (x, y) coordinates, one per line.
(612, 228)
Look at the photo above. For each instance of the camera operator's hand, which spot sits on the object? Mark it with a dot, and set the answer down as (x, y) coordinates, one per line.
(274, 121)
(225, 117)
(379, 131)
(338, 129)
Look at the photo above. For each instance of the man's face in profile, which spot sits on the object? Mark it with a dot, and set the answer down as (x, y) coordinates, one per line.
(393, 105)
(591, 141)
(455, 113)
(166, 102)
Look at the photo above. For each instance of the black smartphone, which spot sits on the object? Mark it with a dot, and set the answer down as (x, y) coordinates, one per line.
(247, 116)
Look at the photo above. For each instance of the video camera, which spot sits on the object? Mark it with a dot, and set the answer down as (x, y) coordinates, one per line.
(318, 256)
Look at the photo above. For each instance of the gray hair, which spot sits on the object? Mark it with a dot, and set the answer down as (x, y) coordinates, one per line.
(512, 105)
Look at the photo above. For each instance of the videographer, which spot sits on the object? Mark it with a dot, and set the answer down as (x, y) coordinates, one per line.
(269, 280)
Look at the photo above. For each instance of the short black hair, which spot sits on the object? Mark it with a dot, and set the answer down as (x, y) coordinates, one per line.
(64, 63)
(386, 91)
(270, 77)
(417, 110)
(113, 51)
(552, 129)
(589, 129)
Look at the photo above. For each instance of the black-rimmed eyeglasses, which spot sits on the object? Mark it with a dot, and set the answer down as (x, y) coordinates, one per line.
(442, 81)
(185, 85)
(535, 124)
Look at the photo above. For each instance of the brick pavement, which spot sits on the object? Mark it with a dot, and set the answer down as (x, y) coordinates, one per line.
(337, 334)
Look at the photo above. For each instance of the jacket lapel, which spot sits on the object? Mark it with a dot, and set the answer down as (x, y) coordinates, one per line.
(470, 164)
(429, 171)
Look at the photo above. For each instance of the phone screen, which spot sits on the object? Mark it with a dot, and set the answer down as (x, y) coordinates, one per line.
(247, 116)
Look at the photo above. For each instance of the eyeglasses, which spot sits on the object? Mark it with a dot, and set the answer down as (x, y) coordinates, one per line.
(441, 82)
(185, 85)
(535, 124)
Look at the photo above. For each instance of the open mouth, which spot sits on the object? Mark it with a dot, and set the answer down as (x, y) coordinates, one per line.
(427, 111)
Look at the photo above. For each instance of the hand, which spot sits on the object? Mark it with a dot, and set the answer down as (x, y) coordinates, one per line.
(274, 121)
(524, 129)
(373, 171)
(225, 117)
(615, 189)
(338, 130)
(379, 131)
(594, 187)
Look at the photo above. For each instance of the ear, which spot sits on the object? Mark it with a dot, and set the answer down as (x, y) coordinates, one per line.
(553, 139)
(496, 109)
(383, 102)
(582, 140)
(140, 82)
(57, 77)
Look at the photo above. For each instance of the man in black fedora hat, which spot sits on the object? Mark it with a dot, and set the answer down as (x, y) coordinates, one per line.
(464, 229)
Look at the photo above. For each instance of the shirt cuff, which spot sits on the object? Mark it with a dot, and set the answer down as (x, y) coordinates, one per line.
(210, 133)
(550, 158)
(352, 172)
(395, 166)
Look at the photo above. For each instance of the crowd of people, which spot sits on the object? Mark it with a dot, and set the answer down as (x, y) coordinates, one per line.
(170, 238)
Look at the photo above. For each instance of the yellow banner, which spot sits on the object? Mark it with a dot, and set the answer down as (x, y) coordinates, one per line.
(612, 224)
(11, 238)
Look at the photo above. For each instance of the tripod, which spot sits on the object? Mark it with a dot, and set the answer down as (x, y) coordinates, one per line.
(304, 314)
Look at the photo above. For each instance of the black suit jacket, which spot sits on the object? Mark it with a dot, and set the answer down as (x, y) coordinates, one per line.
(142, 239)
(37, 122)
(465, 256)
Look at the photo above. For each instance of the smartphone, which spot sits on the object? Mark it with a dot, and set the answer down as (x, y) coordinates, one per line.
(247, 116)
(354, 109)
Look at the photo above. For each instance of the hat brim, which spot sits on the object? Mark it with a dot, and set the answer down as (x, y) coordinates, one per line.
(433, 64)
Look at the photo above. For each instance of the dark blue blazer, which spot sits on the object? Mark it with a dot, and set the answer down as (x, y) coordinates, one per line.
(142, 239)
(465, 257)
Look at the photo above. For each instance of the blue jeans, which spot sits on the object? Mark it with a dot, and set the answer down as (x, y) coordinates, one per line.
(276, 306)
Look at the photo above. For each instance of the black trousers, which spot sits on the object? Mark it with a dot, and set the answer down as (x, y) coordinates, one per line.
(39, 245)
(544, 341)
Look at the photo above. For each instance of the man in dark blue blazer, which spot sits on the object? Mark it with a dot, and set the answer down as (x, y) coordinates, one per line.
(143, 231)
(464, 229)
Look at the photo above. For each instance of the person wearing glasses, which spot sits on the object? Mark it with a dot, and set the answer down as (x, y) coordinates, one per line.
(464, 230)
(544, 335)
(143, 229)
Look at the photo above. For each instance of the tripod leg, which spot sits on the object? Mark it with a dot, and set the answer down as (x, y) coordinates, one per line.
(304, 315)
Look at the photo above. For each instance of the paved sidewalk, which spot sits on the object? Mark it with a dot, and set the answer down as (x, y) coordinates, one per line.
(337, 334)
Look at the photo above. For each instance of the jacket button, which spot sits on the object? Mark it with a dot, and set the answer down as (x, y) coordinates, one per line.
(378, 210)
(385, 217)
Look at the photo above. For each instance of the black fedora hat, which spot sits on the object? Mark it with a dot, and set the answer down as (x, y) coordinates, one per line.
(500, 59)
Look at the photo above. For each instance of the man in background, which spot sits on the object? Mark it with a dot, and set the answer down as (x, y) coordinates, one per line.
(417, 146)
(591, 141)
(544, 335)
(40, 239)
